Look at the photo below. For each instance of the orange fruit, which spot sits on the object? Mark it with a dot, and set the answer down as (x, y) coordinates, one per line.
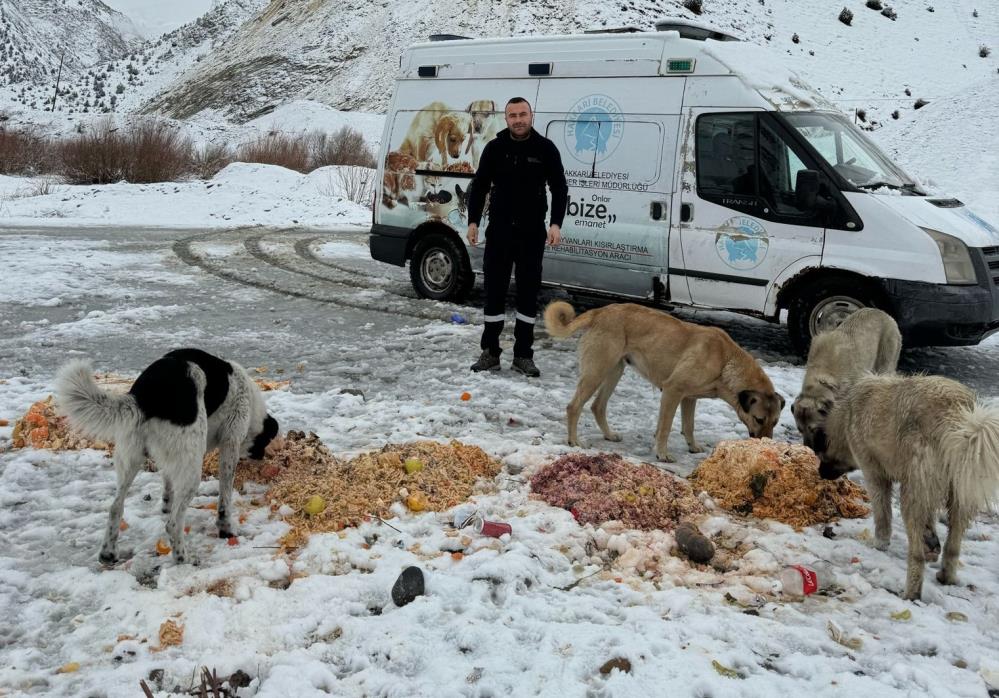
(162, 548)
(466, 397)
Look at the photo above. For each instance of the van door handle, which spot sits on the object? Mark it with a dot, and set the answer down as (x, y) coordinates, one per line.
(657, 210)
(686, 213)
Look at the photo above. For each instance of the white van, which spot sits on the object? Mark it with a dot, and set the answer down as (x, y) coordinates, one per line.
(701, 172)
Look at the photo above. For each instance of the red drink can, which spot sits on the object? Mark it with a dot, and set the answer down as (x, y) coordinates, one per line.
(494, 529)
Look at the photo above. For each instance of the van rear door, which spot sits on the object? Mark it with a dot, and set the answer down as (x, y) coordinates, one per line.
(741, 225)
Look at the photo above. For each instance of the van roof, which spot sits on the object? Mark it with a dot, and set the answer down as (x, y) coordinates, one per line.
(641, 54)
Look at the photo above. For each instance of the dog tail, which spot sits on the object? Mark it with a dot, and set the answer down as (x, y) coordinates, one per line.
(95, 412)
(561, 320)
(970, 452)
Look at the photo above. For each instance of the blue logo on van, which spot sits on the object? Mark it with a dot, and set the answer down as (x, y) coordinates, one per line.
(742, 243)
(594, 128)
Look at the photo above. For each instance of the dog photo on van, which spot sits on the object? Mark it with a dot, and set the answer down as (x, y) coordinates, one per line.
(182, 406)
(686, 361)
(930, 435)
(437, 127)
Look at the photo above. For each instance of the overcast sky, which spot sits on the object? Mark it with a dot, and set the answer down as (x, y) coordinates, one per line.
(154, 17)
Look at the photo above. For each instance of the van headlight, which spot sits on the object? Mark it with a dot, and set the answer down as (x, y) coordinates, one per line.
(956, 258)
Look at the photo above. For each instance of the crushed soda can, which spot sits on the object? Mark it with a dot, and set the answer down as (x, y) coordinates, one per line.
(470, 518)
(494, 529)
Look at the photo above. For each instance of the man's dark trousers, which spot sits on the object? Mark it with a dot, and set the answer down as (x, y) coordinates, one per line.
(521, 249)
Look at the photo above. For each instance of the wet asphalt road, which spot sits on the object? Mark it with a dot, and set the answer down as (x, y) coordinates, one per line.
(289, 298)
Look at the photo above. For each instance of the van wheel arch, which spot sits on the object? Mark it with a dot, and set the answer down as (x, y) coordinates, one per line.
(439, 266)
(819, 300)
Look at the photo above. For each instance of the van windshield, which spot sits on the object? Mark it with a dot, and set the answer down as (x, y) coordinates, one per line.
(848, 151)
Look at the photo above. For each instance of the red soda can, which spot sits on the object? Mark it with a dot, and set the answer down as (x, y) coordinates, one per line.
(494, 529)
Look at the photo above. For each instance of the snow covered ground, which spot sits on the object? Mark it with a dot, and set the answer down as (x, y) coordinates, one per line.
(312, 306)
(241, 194)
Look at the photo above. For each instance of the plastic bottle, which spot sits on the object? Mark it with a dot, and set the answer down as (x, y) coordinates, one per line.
(799, 581)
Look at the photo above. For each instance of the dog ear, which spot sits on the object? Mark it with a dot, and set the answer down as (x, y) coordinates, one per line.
(747, 398)
(440, 136)
(783, 402)
(266, 435)
(820, 441)
(458, 191)
(270, 427)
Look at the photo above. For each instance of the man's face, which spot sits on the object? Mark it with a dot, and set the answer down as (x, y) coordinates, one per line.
(519, 119)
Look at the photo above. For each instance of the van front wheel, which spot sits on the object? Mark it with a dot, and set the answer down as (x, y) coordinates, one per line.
(439, 269)
(822, 306)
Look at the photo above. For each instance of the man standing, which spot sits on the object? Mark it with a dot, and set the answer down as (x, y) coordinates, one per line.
(514, 169)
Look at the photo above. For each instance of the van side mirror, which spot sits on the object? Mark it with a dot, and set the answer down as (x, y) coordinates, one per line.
(806, 189)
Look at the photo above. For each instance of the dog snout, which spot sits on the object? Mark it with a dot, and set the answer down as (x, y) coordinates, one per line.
(829, 471)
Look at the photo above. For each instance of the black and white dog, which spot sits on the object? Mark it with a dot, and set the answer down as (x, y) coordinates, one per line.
(180, 408)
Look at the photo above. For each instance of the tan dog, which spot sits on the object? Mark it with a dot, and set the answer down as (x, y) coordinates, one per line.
(486, 123)
(929, 434)
(867, 342)
(482, 111)
(436, 125)
(684, 360)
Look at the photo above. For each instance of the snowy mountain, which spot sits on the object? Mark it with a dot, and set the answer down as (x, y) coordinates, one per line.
(34, 34)
(344, 54)
(121, 70)
(246, 58)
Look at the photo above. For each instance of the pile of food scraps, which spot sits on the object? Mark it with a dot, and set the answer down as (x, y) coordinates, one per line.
(43, 426)
(605, 487)
(776, 480)
(328, 494)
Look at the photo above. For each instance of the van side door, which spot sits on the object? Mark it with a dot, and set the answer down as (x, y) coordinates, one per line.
(741, 224)
(617, 149)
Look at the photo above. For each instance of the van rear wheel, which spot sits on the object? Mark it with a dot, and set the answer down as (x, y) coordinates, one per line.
(439, 269)
(823, 305)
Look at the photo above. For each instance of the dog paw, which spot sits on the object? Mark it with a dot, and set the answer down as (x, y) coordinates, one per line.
(613, 436)
(695, 449)
(665, 457)
(107, 557)
(946, 578)
(881, 544)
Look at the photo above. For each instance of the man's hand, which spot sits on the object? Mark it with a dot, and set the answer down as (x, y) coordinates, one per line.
(473, 234)
(554, 235)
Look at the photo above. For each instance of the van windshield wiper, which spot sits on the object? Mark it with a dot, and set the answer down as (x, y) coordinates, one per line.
(880, 183)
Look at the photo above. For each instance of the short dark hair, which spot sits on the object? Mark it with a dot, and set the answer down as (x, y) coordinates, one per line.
(518, 100)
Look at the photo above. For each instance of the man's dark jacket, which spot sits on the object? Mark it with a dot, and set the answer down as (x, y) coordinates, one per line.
(515, 173)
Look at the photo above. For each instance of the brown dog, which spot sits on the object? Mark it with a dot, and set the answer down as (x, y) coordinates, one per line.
(437, 125)
(398, 178)
(684, 360)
